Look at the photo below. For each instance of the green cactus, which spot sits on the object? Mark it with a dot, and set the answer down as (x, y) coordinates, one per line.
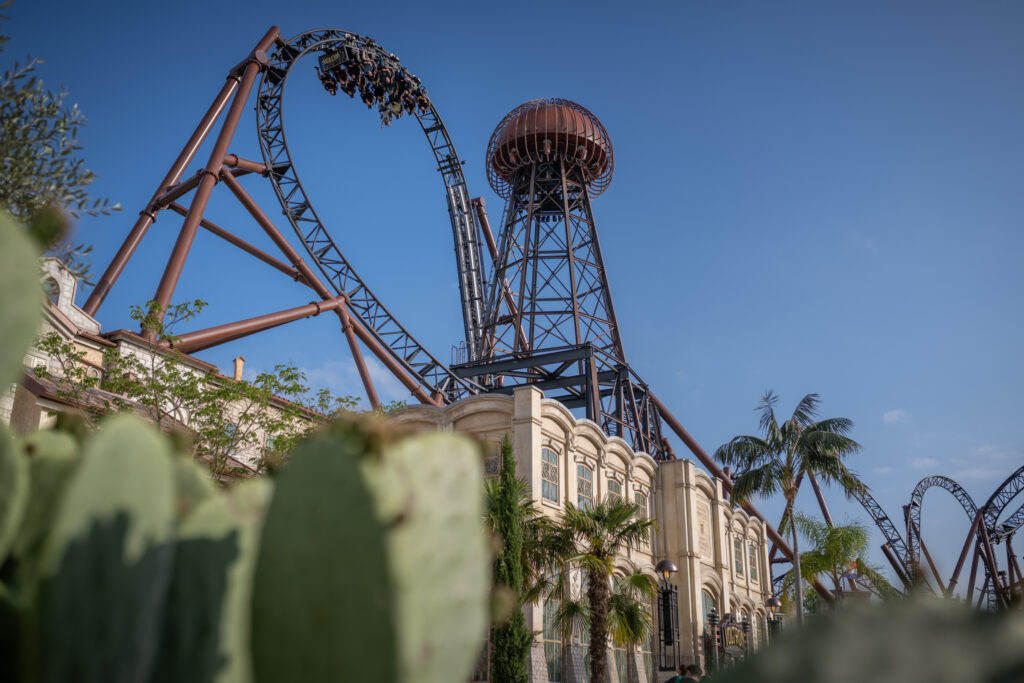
(193, 485)
(438, 554)
(205, 635)
(21, 311)
(52, 458)
(247, 505)
(322, 605)
(14, 489)
(205, 547)
(106, 561)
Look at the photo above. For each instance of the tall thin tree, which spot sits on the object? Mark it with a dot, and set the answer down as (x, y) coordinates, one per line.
(799, 446)
(512, 639)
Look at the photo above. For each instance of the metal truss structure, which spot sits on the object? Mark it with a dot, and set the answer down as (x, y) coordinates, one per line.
(1000, 587)
(550, 321)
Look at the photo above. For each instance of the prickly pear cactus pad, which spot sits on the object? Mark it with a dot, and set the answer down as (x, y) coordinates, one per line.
(323, 605)
(439, 558)
(106, 561)
(906, 641)
(20, 298)
(14, 488)
(52, 458)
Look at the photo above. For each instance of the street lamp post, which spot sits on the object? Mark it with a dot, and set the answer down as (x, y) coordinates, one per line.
(668, 615)
(774, 604)
(713, 620)
(746, 632)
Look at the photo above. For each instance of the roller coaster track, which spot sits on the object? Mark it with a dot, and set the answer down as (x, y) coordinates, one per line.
(914, 520)
(993, 508)
(321, 246)
(888, 529)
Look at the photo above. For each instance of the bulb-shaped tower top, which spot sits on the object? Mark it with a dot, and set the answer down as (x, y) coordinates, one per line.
(549, 130)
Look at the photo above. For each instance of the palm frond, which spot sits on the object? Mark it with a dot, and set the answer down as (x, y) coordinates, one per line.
(572, 618)
(766, 413)
(806, 410)
(764, 480)
(744, 453)
(629, 621)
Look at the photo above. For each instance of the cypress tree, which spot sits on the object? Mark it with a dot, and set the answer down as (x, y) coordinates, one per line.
(512, 639)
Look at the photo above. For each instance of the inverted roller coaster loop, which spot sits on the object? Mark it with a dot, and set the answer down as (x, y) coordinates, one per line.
(321, 246)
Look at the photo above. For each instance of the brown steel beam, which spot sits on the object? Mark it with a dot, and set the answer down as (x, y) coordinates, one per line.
(371, 341)
(821, 499)
(717, 472)
(192, 342)
(931, 565)
(989, 557)
(176, 192)
(176, 262)
(148, 215)
(974, 573)
(887, 551)
(963, 553)
(242, 244)
(235, 161)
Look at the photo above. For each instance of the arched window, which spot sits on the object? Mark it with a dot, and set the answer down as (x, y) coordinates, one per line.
(614, 490)
(737, 553)
(708, 605)
(641, 502)
(753, 563)
(549, 475)
(584, 487)
(52, 290)
(492, 462)
(552, 642)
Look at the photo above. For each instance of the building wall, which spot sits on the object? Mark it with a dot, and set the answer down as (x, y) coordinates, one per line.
(696, 525)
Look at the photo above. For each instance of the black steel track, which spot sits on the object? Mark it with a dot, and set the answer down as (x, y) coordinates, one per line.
(298, 208)
(917, 497)
(885, 525)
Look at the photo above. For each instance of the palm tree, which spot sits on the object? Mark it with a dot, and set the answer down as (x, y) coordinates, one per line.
(777, 462)
(629, 617)
(836, 550)
(591, 538)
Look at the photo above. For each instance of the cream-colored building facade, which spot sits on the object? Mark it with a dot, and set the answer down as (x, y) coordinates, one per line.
(719, 550)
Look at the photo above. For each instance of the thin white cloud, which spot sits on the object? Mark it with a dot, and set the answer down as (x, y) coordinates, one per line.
(895, 416)
(981, 474)
(923, 463)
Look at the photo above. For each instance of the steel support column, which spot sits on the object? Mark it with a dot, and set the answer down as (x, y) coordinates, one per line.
(148, 215)
(192, 342)
(176, 262)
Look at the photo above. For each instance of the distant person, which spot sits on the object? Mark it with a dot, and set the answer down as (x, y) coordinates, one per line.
(680, 676)
(687, 674)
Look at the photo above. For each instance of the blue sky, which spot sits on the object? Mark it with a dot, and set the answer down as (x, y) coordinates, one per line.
(808, 197)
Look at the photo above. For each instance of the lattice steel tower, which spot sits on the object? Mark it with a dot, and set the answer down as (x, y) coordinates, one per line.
(549, 319)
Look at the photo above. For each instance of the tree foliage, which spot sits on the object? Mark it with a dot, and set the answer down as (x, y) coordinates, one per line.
(221, 417)
(776, 462)
(39, 162)
(836, 553)
(509, 516)
(589, 539)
